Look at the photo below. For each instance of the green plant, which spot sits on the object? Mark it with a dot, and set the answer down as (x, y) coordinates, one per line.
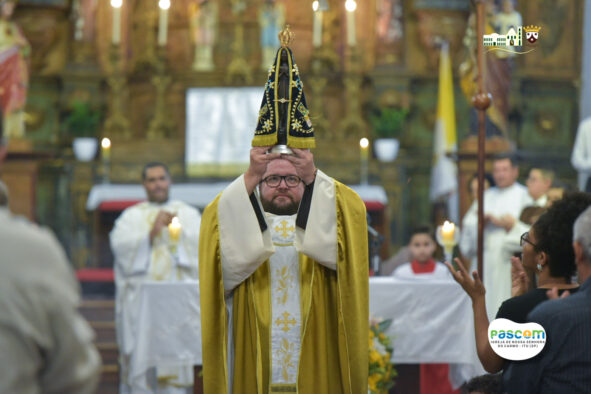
(387, 122)
(381, 369)
(82, 120)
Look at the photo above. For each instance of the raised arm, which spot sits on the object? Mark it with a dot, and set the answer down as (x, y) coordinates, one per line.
(473, 286)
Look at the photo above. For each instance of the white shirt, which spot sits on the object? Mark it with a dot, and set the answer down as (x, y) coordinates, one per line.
(45, 344)
(581, 155)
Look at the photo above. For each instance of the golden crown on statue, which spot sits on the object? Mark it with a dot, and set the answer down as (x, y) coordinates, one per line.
(531, 28)
(286, 36)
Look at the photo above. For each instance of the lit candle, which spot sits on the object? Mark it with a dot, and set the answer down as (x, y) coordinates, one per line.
(106, 148)
(163, 23)
(116, 4)
(317, 32)
(351, 6)
(174, 229)
(364, 145)
(447, 232)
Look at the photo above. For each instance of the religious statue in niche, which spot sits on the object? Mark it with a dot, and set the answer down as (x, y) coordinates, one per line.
(499, 68)
(84, 14)
(389, 29)
(203, 15)
(271, 21)
(14, 75)
(504, 20)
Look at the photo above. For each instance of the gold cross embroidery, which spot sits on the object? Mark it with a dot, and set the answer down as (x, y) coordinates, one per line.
(284, 229)
(286, 322)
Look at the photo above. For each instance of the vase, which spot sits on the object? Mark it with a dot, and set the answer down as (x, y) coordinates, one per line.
(85, 148)
(386, 149)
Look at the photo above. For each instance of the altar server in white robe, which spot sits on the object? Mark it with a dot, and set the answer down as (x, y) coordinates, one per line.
(502, 206)
(156, 240)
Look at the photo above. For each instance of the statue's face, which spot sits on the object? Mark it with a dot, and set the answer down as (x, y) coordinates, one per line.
(7, 9)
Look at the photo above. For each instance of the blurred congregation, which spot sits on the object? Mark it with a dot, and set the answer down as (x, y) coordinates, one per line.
(239, 196)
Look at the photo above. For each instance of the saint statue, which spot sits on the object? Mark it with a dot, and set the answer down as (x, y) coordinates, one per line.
(203, 16)
(497, 71)
(271, 20)
(14, 75)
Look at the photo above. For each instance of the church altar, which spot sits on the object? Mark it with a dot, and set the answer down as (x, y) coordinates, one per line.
(112, 197)
(432, 323)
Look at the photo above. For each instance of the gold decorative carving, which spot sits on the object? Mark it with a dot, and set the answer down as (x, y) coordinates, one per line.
(117, 125)
(161, 125)
(238, 70)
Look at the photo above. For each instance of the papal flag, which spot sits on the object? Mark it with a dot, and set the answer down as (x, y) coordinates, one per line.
(444, 178)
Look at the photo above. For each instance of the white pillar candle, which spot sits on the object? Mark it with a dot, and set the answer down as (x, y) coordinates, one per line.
(163, 22)
(350, 6)
(317, 32)
(116, 37)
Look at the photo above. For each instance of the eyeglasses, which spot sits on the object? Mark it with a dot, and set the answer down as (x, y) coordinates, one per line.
(275, 180)
(525, 238)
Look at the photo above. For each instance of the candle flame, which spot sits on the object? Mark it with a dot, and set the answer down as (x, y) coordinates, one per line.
(116, 3)
(364, 143)
(164, 4)
(448, 226)
(350, 5)
(315, 5)
(106, 143)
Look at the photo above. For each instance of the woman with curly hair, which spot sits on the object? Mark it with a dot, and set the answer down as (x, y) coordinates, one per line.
(547, 250)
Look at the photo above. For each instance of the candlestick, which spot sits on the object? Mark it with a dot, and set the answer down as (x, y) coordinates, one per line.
(317, 31)
(106, 148)
(174, 229)
(447, 231)
(364, 145)
(116, 37)
(351, 6)
(448, 236)
(163, 22)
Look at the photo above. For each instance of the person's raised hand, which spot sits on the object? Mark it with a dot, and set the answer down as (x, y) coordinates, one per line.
(519, 278)
(472, 285)
(259, 158)
(303, 161)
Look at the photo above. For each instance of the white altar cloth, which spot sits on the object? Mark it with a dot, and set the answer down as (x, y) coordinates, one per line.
(432, 323)
(168, 328)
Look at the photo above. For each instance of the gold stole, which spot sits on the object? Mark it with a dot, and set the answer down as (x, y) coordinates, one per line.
(334, 304)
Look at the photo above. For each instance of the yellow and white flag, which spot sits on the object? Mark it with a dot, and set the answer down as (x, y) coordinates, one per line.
(444, 175)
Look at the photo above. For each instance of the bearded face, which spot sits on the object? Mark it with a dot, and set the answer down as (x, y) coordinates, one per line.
(531, 36)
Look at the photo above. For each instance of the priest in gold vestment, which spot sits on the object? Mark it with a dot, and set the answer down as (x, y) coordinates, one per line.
(284, 282)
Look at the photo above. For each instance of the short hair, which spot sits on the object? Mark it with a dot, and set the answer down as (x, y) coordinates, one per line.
(554, 233)
(153, 164)
(422, 229)
(487, 177)
(3, 195)
(547, 173)
(512, 157)
(487, 384)
(582, 233)
(530, 212)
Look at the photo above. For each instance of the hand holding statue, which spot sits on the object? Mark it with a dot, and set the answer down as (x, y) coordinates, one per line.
(303, 160)
(259, 158)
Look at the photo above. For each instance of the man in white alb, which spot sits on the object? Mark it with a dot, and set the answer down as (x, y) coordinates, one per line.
(156, 240)
(502, 205)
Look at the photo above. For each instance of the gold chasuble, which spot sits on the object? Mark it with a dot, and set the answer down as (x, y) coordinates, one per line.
(334, 314)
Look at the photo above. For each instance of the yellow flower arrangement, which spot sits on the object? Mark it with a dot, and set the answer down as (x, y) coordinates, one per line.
(381, 370)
